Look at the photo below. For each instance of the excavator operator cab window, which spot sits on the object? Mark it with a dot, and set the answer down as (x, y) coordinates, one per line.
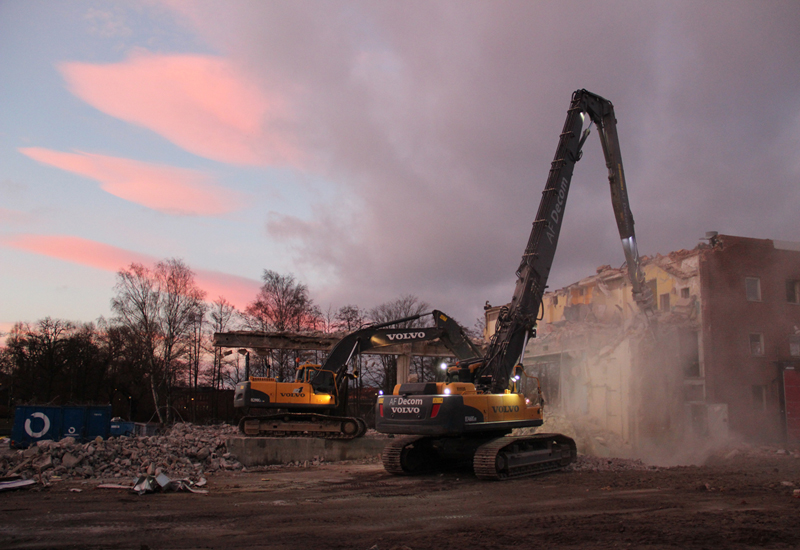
(323, 382)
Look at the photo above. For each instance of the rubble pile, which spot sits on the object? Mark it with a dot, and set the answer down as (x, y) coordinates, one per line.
(185, 451)
(585, 463)
(744, 450)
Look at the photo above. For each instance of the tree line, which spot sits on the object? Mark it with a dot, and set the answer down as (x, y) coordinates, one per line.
(158, 341)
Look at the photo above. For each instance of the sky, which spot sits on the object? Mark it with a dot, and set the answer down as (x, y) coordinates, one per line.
(376, 149)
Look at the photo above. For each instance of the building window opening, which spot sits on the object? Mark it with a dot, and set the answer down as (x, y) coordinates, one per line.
(653, 284)
(757, 344)
(793, 292)
(549, 375)
(664, 302)
(555, 300)
(689, 352)
(760, 398)
(794, 345)
(685, 292)
(752, 286)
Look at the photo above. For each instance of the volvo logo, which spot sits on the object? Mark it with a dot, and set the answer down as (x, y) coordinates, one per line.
(506, 409)
(404, 410)
(406, 336)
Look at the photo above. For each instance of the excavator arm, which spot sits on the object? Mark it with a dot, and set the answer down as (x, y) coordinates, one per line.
(517, 322)
(447, 330)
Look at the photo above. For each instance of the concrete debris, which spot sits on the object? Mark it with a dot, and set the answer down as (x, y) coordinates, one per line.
(746, 450)
(600, 464)
(186, 451)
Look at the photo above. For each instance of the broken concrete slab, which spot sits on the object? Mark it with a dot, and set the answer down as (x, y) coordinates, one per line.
(262, 451)
(69, 460)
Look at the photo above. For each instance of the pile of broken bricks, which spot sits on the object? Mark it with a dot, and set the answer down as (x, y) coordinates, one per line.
(186, 452)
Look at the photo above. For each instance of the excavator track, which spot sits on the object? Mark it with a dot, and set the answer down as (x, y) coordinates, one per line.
(513, 457)
(303, 425)
(408, 455)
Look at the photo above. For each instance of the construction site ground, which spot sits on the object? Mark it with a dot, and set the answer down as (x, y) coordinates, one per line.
(748, 500)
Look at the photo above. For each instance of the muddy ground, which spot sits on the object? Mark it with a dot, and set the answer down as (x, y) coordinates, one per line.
(738, 502)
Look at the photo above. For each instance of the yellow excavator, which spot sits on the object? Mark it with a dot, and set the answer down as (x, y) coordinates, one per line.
(467, 418)
(314, 404)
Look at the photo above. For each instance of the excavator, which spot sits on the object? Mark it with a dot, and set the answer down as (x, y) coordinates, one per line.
(468, 417)
(315, 403)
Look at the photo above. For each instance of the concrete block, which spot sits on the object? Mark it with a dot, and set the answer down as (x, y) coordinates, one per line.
(261, 451)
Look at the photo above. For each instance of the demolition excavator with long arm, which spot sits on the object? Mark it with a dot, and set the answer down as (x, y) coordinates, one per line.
(315, 403)
(468, 417)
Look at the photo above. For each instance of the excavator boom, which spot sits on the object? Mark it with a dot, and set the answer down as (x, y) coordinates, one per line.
(516, 322)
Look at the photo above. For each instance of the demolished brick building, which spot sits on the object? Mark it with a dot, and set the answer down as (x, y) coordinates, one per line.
(721, 357)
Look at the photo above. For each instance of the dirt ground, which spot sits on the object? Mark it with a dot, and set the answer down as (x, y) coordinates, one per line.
(741, 502)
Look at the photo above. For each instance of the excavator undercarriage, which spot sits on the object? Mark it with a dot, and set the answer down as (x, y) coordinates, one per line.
(491, 457)
(303, 425)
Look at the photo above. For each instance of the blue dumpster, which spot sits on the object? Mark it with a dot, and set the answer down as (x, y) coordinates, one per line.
(98, 422)
(73, 422)
(120, 427)
(34, 423)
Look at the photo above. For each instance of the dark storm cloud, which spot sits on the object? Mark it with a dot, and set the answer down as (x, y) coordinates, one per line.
(438, 121)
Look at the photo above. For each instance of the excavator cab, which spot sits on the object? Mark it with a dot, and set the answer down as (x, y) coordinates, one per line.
(463, 371)
(321, 380)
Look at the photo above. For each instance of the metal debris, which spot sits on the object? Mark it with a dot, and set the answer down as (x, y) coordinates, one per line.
(16, 484)
(152, 484)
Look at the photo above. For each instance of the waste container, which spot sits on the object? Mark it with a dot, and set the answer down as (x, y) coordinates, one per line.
(33, 423)
(73, 422)
(119, 427)
(98, 421)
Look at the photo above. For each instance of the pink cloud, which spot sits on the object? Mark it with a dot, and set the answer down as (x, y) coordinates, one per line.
(201, 103)
(15, 217)
(239, 291)
(164, 188)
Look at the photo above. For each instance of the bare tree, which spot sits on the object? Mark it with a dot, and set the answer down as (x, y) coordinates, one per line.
(196, 347)
(221, 315)
(159, 307)
(350, 318)
(282, 305)
(55, 361)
